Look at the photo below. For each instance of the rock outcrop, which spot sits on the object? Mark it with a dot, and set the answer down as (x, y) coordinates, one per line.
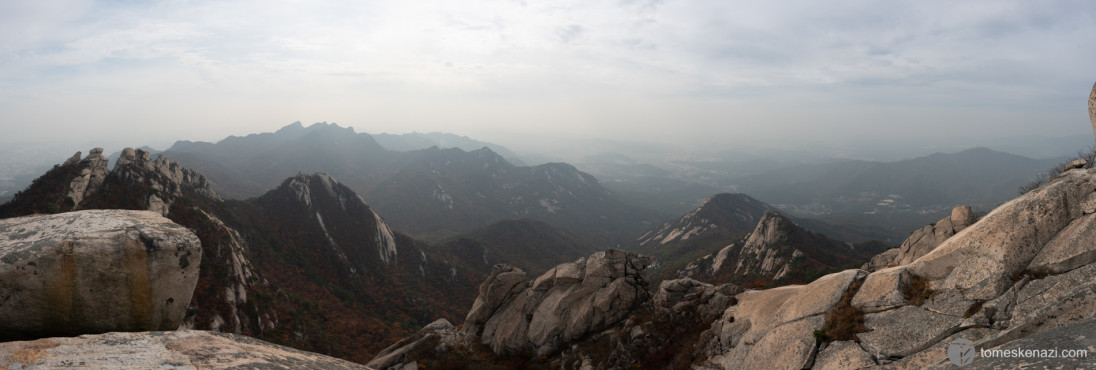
(183, 349)
(93, 170)
(923, 240)
(165, 178)
(94, 271)
(513, 314)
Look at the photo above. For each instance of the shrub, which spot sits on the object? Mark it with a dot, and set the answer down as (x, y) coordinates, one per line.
(844, 321)
(1087, 154)
(917, 291)
(973, 309)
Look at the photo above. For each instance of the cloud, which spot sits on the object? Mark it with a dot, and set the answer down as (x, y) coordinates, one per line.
(569, 33)
(582, 61)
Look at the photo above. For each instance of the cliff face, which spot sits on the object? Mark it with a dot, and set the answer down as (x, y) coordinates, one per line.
(1025, 271)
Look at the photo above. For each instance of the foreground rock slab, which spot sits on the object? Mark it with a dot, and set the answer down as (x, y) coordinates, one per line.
(94, 271)
(184, 349)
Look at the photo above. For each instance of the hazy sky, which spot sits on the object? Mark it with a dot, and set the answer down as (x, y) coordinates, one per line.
(151, 72)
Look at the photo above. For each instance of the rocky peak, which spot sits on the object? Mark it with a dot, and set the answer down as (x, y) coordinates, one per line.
(330, 201)
(93, 170)
(778, 249)
(772, 228)
(769, 250)
(307, 187)
(735, 214)
(167, 179)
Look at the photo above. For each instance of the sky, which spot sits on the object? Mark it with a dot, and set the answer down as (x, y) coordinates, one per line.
(687, 72)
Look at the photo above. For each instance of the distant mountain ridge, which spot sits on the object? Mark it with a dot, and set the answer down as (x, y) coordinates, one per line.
(433, 192)
(936, 179)
(415, 141)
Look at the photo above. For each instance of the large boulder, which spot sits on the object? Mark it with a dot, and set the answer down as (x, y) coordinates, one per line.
(184, 349)
(93, 272)
(926, 239)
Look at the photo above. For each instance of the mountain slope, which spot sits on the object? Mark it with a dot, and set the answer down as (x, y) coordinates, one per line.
(717, 222)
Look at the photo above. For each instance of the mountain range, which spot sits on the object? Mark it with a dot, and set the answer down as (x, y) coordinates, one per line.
(432, 193)
(415, 141)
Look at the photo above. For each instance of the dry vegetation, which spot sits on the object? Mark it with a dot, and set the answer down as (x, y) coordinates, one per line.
(1087, 154)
